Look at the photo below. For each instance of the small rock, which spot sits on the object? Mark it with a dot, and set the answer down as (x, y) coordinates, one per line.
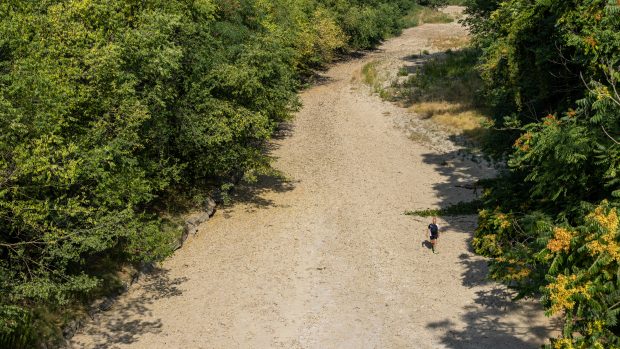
(135, 277)
(106, 304)
(148, 267)
(190, 229)
(181, 240)
(198, 218)
(71, 328)
(210, 206)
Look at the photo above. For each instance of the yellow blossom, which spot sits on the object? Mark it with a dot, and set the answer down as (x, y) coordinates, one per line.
(522, 143)
(606, 243)
(561, 240)
(595, 326)
(561, 293)
(591, 41)
(504, 224)
(610, 247)
(550, 120)
(608, 221)
(521, 274)
(563, 343)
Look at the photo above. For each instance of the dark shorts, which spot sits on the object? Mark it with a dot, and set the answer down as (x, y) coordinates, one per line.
(434, 237)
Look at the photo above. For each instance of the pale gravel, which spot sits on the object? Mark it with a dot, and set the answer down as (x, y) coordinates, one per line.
(327, 259)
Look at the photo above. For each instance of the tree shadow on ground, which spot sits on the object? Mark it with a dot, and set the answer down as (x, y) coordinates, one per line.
(483, 324)
(487, 327)
(318, 76)
(130, 318)
(486, 323)
(283, 131)
(253, 194)
(414, 62)
(462, 171)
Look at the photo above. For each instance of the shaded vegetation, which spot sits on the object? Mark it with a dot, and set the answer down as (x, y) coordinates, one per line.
(447, 89)
(444, 87)
(458, 209)
(447, 77)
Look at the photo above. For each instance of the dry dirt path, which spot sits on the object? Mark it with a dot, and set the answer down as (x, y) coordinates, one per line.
(327, 259)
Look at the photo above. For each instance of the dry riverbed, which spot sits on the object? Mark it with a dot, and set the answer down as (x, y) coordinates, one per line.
(326, 258)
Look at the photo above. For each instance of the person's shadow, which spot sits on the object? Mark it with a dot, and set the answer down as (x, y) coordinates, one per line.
(427, 244)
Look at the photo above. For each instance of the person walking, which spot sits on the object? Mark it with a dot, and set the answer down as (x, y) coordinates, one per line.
(433, 230)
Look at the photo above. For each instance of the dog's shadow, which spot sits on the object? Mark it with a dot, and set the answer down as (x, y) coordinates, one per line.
(427, 244)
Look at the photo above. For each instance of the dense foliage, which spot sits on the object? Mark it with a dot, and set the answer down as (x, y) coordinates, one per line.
(106, 106)
(551, 71)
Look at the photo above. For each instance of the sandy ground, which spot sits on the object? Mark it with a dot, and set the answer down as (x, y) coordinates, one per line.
(327, 259)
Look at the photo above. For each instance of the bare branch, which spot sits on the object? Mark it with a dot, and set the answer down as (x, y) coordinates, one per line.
(594, 92)
(608, 135)
(612, 81)
(25, 243)
(587, 86)
(563, 58)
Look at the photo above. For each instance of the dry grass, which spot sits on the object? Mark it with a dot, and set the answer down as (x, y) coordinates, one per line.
(463, 121)
(372, 77)
(449, 43)
(429, 109)
(455, 117)
(443, 90)
(370, 74)
(427, 15)
(419, 137)
(420, 15)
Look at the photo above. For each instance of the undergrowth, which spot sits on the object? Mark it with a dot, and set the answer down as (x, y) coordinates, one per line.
(419, 15)
(370, 76)
(458, 209)
(445, 90)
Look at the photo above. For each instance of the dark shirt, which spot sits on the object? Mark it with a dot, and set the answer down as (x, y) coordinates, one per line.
(434, 229)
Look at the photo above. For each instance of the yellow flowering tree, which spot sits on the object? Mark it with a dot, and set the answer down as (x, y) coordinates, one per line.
(584, 279)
